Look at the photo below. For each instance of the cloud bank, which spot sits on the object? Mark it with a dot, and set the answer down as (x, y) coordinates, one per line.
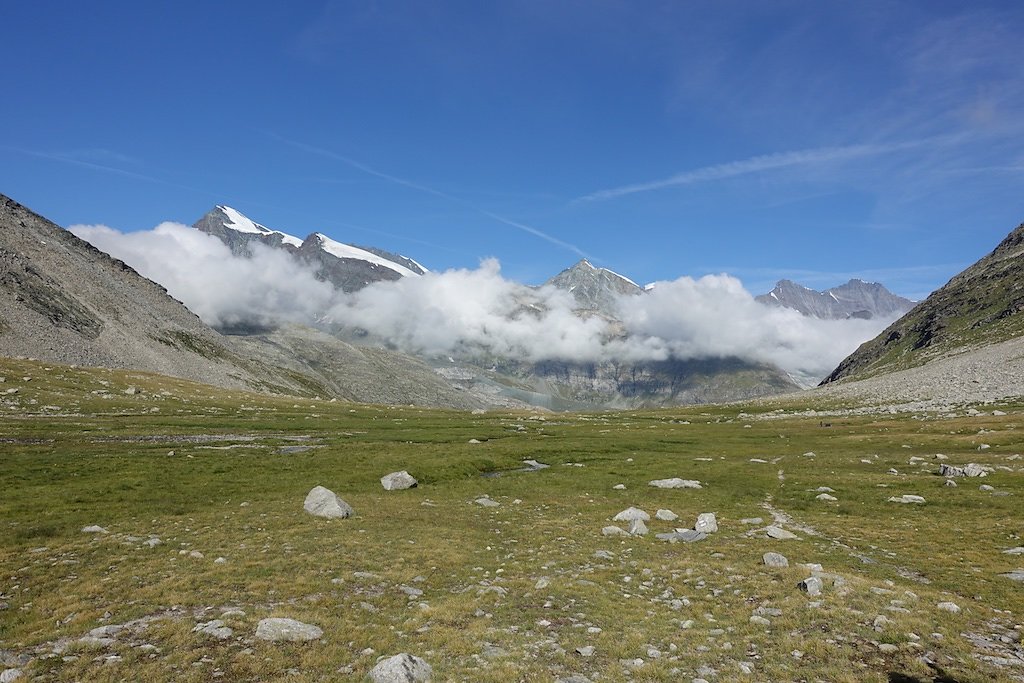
(478, 311)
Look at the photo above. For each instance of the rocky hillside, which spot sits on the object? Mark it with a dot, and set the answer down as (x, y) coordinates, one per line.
(63, 300)
(347, 267)
(855, 299)
(980, 306)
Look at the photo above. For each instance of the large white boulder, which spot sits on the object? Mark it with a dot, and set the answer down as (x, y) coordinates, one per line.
(397, 481)
(323, 502)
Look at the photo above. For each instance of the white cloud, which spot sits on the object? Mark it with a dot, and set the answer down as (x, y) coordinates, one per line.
(200, 271)
(480, 312)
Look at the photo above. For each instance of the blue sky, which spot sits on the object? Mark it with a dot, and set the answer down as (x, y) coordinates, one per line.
(812, 140)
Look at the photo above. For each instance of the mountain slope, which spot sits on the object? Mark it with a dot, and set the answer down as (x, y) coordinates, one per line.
(61, 299)
(980, 306)
(855, 299)
(348, 268)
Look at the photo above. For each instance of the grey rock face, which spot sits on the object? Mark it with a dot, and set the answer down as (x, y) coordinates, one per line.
(322, 502)
(855, 299)
(595, 289)
(402, 668)
(398, 481)
(278, 629)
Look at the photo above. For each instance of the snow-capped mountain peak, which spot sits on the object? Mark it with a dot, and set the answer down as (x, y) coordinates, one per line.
(239, 222)
(347, 251)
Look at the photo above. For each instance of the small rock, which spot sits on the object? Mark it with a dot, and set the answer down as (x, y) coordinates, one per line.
(637, 528)
(487, 502)
(402, 668)
(690, 535)
(986, 487)
(1015, 575)
(93, 529)
(951, 483)
(907, 498)
(779, 533)
(1019, 550)
(751, 520)
(774, 560)
(760, 621)
(948, 607)
(277, 629)
(631, 513)
(706, 523)
(322, 502)
(214, 629)
(675, 483)
(824, 489)
(586, 651)
(826, 497)
(811, 585)
(619, 487)
(614, 531)
(534, 465)
(398, 481)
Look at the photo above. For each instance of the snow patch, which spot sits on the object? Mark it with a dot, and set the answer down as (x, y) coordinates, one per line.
(238, 222)
(348, 251)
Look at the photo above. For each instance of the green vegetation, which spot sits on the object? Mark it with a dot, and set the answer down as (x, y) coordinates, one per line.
(223, 474)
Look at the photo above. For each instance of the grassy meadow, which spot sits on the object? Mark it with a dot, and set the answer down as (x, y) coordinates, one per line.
(495, 594)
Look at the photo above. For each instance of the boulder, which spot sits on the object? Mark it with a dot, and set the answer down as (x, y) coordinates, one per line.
(631, 513)
(706, 523)
(402, 668)
(811, 585)
(775, 560)
(637, 528)
(276, 629)
(322, 502)
(666, 515)
(779, 534)
(398, 481)
(826, 497)
(907, 498)
(612, 530)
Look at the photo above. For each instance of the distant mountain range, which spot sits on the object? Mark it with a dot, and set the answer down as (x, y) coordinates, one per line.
(855, 299)
(66, 301)
(348, 268)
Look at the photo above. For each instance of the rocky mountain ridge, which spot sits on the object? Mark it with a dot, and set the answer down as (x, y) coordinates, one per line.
(347, 267)
(980, 306)
(855, 299)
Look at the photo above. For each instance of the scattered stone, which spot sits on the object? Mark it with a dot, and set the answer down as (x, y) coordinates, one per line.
(474, 441)
(619, 487)
(93, 529)
(751, 520)
(534, 465)
(631, 513)
(811, 585)
(614, 531)
(986, 487)
(951, 483)
(968, 470)
(948, 607)
(214, 629)
(493, 652)
(402, 668)
(826, 497)
(1015, 575)
(666, 515)
(487, 502)
(586, 651)
(322, 502)
(398, 481)
(824, 489)
(1019, 550)
(675, 483)
(276, 629)
(775, 560)
(637, 528)
(690, 535)
(10, 675)
(907, 498)
(604, 555)
(760, 621)
(706, 523)
(542, 583)
(779, 533)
